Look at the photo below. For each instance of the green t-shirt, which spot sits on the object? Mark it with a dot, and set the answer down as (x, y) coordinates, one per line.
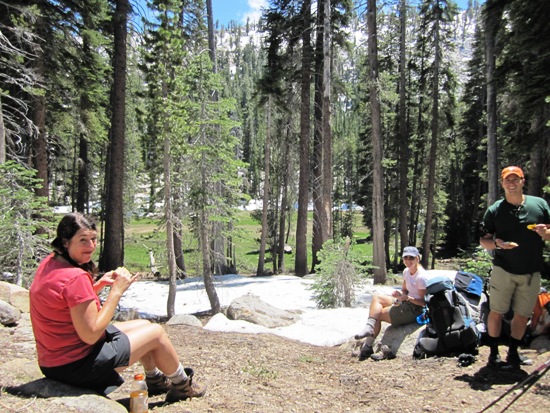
(509, 223)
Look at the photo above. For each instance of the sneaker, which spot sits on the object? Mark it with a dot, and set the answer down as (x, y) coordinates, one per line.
(525, 361)
(187, 389)
(158, 384)
(518, 360)
(366, 352)
(384, 353)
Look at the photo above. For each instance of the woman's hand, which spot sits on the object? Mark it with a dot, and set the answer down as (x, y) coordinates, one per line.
(400, 295)
(122, 279)
(90, 323)
(109, 278)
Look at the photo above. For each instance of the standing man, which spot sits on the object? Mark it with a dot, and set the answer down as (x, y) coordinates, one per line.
(515, 227)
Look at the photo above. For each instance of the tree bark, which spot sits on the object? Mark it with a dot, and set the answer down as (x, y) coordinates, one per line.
(319, 217)
(432, 159)
(379, 258)
(2, 135)
(40, 144)
(300, 264)
(267, 161)
(113, 245)
(493, 16)
(403, 128)
(326, 230)
(168, 213)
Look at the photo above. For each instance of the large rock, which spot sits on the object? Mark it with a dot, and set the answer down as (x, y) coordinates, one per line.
(401, 339)
(252, 309)
(34, 384)
(90, 403)
(15, 295)
(184, 319)
(9, 315)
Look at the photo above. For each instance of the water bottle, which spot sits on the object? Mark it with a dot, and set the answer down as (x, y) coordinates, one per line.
(139, 397)
(423, 318)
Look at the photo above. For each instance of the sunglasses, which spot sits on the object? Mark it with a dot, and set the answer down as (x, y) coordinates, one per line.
(409, 258)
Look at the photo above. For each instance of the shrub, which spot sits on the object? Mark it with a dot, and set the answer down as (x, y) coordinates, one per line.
(338, 273)
(22, 214)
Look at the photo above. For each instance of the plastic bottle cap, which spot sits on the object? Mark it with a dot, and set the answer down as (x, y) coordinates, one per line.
(139, 377)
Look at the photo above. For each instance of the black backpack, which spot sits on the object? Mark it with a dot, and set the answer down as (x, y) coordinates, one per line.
(451, 330)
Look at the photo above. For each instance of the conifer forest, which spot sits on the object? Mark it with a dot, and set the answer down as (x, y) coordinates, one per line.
(403, 110)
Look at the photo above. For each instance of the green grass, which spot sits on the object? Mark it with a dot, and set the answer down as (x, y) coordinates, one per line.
(145, 233)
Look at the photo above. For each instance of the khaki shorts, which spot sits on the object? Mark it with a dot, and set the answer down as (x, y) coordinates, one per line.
(405, 313)
(518, 292)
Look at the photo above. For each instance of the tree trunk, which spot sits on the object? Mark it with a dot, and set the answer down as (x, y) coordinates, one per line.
(82, 191)
(178, 248)
(206, 264)
(494, 9)
(168, 213)
(432, 159)
(403, 129)
(113, 245)
(218, 243)
(379, 258)
(284, 202)
(40, 144)
(300, 264)
(317, 164)
(267, 161)
(2, 136)
(326, 230)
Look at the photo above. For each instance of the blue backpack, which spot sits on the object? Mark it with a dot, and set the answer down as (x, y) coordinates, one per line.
(450, 329)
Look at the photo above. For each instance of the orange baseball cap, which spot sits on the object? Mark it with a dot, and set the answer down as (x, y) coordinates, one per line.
(511, 170)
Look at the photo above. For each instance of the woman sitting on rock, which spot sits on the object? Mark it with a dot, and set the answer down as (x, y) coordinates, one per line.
(75, 340)
(401, 308)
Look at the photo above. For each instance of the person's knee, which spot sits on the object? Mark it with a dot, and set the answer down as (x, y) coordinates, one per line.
(493, 315)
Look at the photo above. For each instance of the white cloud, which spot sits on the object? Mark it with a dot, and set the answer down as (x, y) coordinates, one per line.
(255, 11)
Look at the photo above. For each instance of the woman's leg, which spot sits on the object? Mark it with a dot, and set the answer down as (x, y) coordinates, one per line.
(376, 315)
(379, 310)
(151, 346)
(126, 326)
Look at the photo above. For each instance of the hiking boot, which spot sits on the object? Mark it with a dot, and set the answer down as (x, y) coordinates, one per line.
(384, 353)
(366, 352)
(158, 384)
(187, 389)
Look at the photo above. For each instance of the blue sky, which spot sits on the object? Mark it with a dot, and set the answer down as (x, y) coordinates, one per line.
(238, 10)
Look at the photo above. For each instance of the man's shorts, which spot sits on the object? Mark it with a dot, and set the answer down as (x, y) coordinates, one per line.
(518, 292)
(405, 313)
(96, 371)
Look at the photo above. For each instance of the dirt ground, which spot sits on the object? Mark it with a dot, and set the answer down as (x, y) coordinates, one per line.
(266, 373)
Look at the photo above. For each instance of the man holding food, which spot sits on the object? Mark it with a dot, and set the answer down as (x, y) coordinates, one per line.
(516, 228)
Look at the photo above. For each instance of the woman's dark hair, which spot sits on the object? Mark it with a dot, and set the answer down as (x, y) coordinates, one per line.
(69, 225)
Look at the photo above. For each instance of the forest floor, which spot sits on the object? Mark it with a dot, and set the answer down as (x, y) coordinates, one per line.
(267, 373)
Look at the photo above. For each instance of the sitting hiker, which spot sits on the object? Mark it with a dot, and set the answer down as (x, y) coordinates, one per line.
(401, 308)
(75, 340)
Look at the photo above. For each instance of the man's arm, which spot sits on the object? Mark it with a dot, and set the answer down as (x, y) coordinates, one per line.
(487, 242)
